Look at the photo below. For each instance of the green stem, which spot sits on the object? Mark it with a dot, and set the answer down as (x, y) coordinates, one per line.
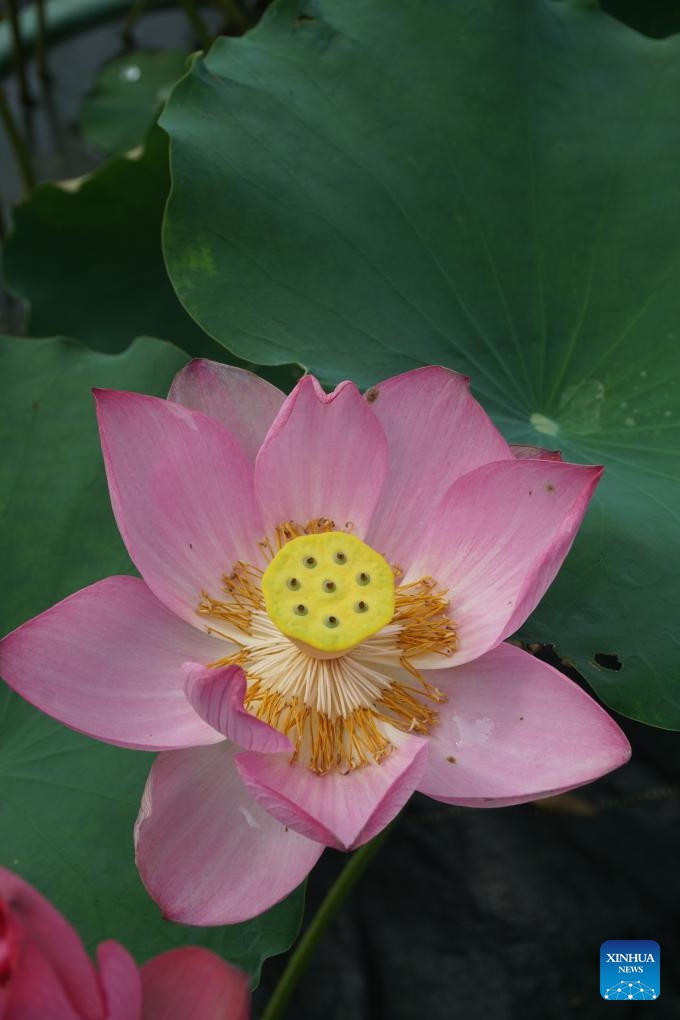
(200, 28)
(302, 954)
(41, 40)
(18, 145)
(19, 55)
(235, 18)
(133, 16)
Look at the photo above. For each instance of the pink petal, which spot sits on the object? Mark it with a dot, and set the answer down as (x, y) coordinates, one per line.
(36, 992)
(244, 403)
(206, 852)
(194, 984)
(121, 982)
(496, 541)
(522, 452)
(217, 696)
(107, 661)
(54, 962)
(341, 811)
(324, 456)
(517, 730)
(182, 492)
(436, 432)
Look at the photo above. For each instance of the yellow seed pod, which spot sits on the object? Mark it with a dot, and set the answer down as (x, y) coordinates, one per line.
(330, 591)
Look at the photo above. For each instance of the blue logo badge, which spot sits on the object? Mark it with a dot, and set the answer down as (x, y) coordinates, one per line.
(630, 969)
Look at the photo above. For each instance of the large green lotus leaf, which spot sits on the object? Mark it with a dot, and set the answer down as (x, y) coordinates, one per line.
(88, 258)
(68, 803)
(127, 97)
(487, 185)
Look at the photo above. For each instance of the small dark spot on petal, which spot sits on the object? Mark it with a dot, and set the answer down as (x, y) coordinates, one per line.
(521, 718)
(372, 395)
(451, 760)
(608, 661)
(531, 492)
(190, 545)
(550, 487)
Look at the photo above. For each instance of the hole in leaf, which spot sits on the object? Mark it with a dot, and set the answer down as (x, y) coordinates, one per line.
(608, 661)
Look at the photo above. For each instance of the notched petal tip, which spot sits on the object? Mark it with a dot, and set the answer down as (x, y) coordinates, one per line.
(311, 382)
(313, 460)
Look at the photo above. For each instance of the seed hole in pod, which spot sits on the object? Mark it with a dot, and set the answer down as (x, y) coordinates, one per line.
(363, 578)
(328, 586)
(331, 621)
(309, 561)
(361, 607)
(340, 557)
(293, 583)
(301, 610)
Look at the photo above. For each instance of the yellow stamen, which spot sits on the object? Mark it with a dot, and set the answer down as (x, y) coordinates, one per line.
(243, 586)
(421, 611)
(289, 530)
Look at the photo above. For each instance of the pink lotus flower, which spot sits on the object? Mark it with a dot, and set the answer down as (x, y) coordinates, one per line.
(328, 582)
(45, 973)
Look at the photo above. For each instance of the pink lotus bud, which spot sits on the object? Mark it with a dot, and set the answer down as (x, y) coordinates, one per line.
(45, 973)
